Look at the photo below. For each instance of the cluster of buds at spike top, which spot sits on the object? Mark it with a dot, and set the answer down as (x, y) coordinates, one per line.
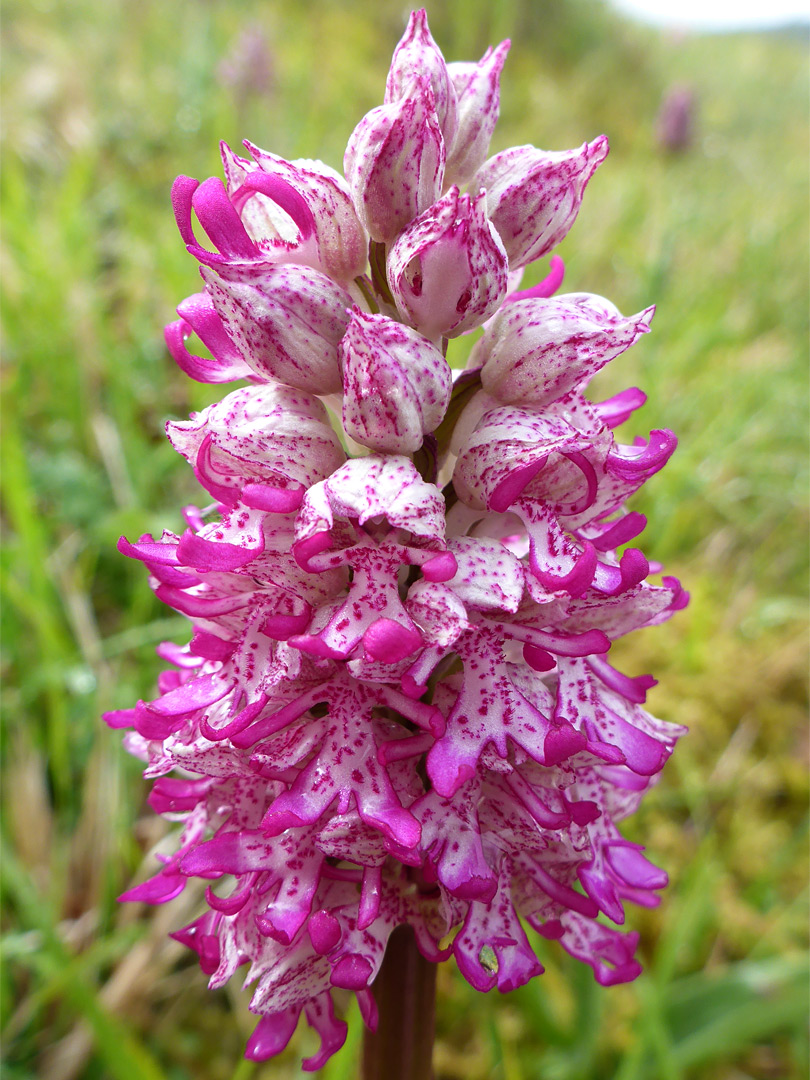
(395, 706)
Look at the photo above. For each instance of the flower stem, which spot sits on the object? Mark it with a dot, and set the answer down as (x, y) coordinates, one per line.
(405, 992)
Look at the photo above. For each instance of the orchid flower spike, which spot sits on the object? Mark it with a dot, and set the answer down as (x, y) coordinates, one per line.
(395, 705)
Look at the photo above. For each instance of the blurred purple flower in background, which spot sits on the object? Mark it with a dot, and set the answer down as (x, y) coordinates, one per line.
(249, 68)
(675, 123)
(396, 706)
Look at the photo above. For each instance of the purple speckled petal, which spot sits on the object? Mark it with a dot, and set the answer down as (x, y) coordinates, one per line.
(489, 577)
(478, 92)
(538, 350)
(371, 487)
(394, 162)
(272, 1033)
(534, 196)
(286, 323)
(438, 611)
(417, 54)
(447, 270)
(341, 243)
(396, 385)
(510, 446)
(266, 434)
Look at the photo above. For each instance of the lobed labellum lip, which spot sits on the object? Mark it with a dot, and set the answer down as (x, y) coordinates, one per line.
(324, 932)
(441, 567)
(222, 223)
(282, 194)
(543, 289)
(352, 973)
(150, 551)
(273, 499)
(510, 489)
(389, 641)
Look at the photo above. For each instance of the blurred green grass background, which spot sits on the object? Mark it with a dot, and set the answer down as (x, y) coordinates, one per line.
(104, 103)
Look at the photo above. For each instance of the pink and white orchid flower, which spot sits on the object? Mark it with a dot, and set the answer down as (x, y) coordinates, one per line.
(396, 705)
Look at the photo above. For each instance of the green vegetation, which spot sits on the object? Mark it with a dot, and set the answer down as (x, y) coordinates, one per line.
(104, 104)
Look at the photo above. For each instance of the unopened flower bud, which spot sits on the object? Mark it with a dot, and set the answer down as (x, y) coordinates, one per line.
(533, 196)
(394, 162)
(418, 54)
(478, 89)
(536, 351)
(287, 324)
(447, 270)
(396, 385)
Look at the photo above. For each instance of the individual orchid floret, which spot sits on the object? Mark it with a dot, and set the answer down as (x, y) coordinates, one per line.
(370, 488)
(560, 471)
(478, 90)
(492, 949)
(394, 162)
(287, 321)
(536, 351)
(339, 238)
(198, 316)
(533, 196)
(448, 269)
(493, 708)
(272, 212)
(345, 770)
(512, 448)
(264, 444)
(396, 384)
(418, 54)
(372, 614)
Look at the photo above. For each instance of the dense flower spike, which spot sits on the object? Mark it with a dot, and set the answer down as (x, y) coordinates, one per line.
(396, 705)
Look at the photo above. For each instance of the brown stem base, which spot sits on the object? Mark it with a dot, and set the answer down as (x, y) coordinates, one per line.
(405, 992)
